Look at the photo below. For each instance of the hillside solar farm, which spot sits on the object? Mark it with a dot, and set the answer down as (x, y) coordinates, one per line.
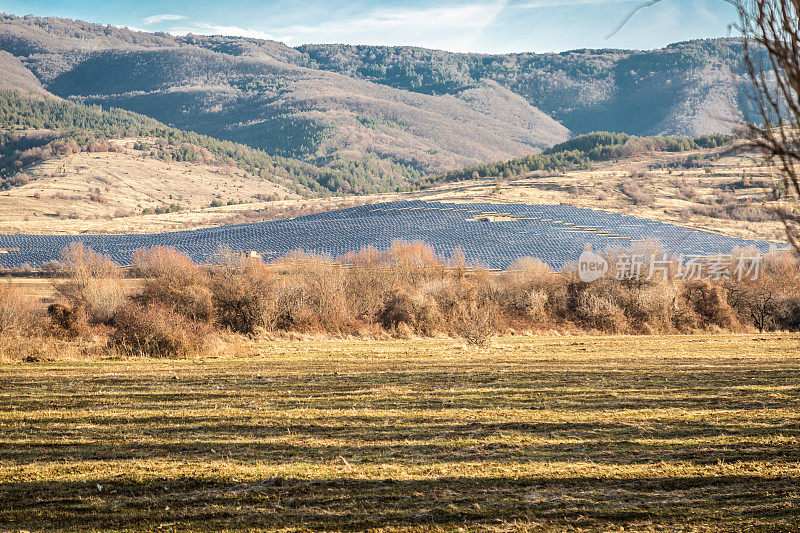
(489, 235)
(502, 266)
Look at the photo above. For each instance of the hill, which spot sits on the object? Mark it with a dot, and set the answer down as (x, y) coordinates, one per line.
(697, 183)
(259, 93)
(704, 189)
(327, 119)
(332, 105)
(686, 89)
(95, 191)
(34, 128)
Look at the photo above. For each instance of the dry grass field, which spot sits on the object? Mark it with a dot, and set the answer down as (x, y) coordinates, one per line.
(692, 433)
(679, 196)
(107, 192)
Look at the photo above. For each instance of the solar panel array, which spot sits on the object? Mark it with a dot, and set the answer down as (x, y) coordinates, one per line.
(489, 235)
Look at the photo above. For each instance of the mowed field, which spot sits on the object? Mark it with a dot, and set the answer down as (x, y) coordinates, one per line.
(580, 433)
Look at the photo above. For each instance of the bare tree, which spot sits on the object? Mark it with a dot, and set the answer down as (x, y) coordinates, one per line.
(771, 32)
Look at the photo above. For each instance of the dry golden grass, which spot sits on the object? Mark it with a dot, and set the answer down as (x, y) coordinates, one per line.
(549, 433)
(59, 198)
(600, 188)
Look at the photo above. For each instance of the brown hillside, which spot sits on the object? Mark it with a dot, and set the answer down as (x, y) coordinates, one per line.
(108, 191)
(14, 75)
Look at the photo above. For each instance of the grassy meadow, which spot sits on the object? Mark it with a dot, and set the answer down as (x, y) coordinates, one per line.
(588, 433)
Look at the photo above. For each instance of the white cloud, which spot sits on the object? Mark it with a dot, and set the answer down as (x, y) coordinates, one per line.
(454, 27)
(132, 28)
(204, 28)
(157, 19)
(470, 16)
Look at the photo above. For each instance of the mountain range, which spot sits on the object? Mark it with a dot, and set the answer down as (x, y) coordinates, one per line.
(404, 110)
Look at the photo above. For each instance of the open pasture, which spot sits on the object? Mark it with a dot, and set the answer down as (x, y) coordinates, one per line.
(584, 433)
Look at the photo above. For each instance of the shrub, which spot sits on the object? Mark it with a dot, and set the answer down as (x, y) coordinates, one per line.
(20, 323)
(710, 303)
(599, 312)
(397, 308)
(651, 307)
(322, 286)
(156, 331)
(476, 323)
(368, 280)
(769, 302)
(67, 320)
(94, 283)
(242, 295)
(526, 289)
(417, 311)
(787, 314)
(172, 279)
(637, 194)
(414, 262)
(405, 291)
(287, 310)
(98, 197)
(17, 311)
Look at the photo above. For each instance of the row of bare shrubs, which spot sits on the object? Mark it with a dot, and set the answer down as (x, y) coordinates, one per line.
(726, 206)
(405, 291)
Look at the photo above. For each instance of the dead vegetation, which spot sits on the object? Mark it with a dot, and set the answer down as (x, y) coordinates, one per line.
(18, 319)
(637, 194)
(406, 291)
(93, 283)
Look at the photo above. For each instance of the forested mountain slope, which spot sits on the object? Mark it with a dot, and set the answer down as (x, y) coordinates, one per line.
(368, 118)
(261, 94)
(38, 128)
(683, 89)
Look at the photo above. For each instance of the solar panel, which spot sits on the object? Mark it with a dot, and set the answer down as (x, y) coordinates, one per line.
(553, 233)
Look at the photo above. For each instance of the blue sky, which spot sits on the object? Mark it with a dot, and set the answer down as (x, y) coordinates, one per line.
(455, 25)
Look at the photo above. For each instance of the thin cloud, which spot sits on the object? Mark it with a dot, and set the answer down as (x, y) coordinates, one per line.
(204, 28)
(471, 16)
(454, 27)
(539, 4)
(157, 19)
